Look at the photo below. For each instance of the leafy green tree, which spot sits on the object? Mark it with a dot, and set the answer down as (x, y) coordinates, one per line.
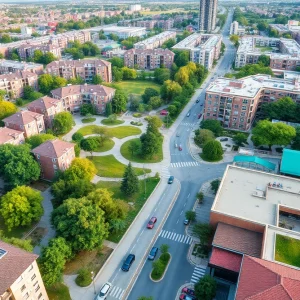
(182, 76)
(53, 259)
(134, 146)
(240, 139)
(97, 79)
(148, 93)
(58, 82)
(262, 25)
(117, 74)
(129, 73)
(202, 136)
(21, 207)
(150, 144)
(117, 62)
(5, 38)
(181, 58)
(45, 83)
(119, 102)
(18, 165)
(206, 288)
(234, 39)
(81, 168)
(253, 69)
(20, 243)
(76, 80)
(71, 222)
(7, 109)
(90, 144)
(296, 140)
(169, 90)
(77, 137)
(87, 108)
(154, 122)
(172, 109)
(268, 133)
(38, 139)
(155, 102)
(108, 109)
(264, 60)
(212, 125)
(214, 185)
(161, 75)
(190, 215)
(204, 232)
(145, 298)
(130, 182)
(62, 123)
(212, 150)
(168, 44)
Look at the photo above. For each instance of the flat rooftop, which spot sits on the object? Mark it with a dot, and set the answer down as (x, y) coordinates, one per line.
(18, 64)
(120, 29)
(157, 37)
(245, 194)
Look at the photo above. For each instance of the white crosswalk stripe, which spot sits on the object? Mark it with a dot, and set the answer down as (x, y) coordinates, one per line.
(177, 237)
(116, 292)
(188, 124)
(165, 172)
(184, 164)
(198, 273)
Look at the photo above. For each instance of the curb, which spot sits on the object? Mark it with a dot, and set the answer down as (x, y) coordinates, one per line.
(189, 284)
(189, 253)
(143, 260)
(166, 269)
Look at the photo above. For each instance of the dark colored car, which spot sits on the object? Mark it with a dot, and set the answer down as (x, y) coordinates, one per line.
(186, 222)
(186, 297)
(128, 262)
(197, 100)
(199, 116)
(201, 104)
(223, 139)
(188, 291)
(151, 223)
(171, 179)
(152, 253)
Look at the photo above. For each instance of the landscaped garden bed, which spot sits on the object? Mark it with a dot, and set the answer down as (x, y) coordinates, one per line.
(109, 122)
(88, 120)
(160, 266)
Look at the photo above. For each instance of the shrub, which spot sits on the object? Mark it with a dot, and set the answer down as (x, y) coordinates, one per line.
(77, 137)
(212, 151)
(84, 278)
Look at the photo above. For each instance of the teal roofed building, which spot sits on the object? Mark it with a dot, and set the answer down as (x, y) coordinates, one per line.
(290, 162)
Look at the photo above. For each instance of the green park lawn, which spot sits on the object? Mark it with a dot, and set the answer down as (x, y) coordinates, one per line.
(287, 250)
(58, 291)
(118, 132)
(107, 122)
(136, 157)
(109, 166)
(88, 120)
(137, 199)
(107, 145)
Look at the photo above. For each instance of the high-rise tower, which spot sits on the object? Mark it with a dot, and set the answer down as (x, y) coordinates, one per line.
(207, 15)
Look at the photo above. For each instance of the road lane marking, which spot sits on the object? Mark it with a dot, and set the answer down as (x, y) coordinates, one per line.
(189, 195)
(177, 221)
(181, 212)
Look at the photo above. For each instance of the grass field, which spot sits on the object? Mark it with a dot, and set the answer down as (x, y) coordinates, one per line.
(107, 145)
(107, 122)
(58, 291)
(138, 201)
(109, 166)
(118, 132)
(136, 157)
(287, 250)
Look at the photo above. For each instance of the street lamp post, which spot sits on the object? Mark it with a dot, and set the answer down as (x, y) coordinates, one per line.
(92, 273)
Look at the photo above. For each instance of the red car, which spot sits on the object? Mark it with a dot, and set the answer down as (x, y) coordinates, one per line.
(188, 291)
(199, 116)
(186, 297)
(164, 112)
(151, 223)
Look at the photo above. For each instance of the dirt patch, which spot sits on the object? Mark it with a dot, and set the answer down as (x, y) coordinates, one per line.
(40, 185)
(93, 260)
(37, 235)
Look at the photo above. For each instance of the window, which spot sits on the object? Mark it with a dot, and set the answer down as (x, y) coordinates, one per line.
(23, 287)
(244, 107)
(37, 156)
(53, 160)
(245, 101)
(37, 288)
(26, 296)
(33, 277)
(19, 279)
(40, 296)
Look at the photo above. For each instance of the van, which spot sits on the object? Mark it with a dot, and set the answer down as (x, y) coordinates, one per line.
(128, 262)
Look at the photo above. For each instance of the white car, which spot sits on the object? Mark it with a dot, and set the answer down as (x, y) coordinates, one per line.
(104, 291)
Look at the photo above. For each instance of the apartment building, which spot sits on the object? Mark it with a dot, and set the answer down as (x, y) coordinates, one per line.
(13, 83)
(235, 102)
(149, 24)
(121, 31)
(86, 69)
(236, 29)
(12, 66)
(29, 122)
(155, 41)
(149, 59)
(11, 136)
(54, 156)
(73, 96)
(27, 51)
(204, 48)
(48, 107)
(208, 15)
(20, 277)
(165, 24)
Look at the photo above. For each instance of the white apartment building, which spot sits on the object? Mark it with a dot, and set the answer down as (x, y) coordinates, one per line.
(121, 31)
(155, 41)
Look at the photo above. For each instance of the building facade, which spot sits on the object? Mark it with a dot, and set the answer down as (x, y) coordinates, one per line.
(149, 59)
(121, 31)
(20, 277)
(73, 96)
(207, 15)
(155, 41)
(27, 51)
(11, 136)
(54, 156)
(86, 69)
(12, 66)
(29, 122)
(48, 107)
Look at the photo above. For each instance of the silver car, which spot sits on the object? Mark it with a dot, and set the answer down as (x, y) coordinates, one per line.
(104, 291)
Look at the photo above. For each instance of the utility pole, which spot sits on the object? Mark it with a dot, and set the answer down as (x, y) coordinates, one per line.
(92, 273)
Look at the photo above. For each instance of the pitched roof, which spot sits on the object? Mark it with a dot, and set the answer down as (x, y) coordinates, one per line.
(265, 280)
(100, 90)
(23, 117)
(7, 134)
(290, 162)
(17, 75)
(226, 259)
(156, 51)
(78, 63)
(54, 149)
(238, 239)
(44, 103)
(13, 264)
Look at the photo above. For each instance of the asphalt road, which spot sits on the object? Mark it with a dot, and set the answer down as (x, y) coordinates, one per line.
(191, 176)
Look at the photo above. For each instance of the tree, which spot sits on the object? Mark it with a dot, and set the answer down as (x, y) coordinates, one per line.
(18, 165)
(108, 109)
(149, 93)
(145, 298)
(161, 75)
(264, 60)
(268, 133)
(130, 182)
(7, 109)
(129, 73)
(134, 146)
(150, 144)
(90, 144)
(181, 58)
(81, 223)
(45, 82)
(154, 122)
(170, 89)
(119, 102)
(202, 136)
(77, 137)
(168, 44)
(117, 62)
(240, 139)
(182, 76)
(190, 215)
(38, 139)
(204, 232)
(214, 185)
(296, 140)
(117, 74)
(234, 39)
(206, 288)
(155, 102)
(212, 125)
(200, 197)
(87, 108)
(21, 207)
(97, 79)
(262, 25)
(62, 123)
(53, 259)
(58, 82)
(212, 150)
(112, 119)
(172, 109)
(20, 243)
(81, 168)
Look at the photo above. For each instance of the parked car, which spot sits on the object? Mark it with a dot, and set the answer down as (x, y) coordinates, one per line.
(197, 100)
(104, 291)
(201, 104)
(180, 148)
(171, 179)
(186, 297)
(151, 222)
(177, 134)
(128, 262)
(186, 222)
(188, 114)
(152, 253)
(199, 116)
(164, 112)
(188, 291)
(223, 139)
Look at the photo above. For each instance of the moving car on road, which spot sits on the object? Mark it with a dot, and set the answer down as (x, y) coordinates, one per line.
(186, 297)
(171, 179)
(151, 222)
(188, 114)
(199, 116)
(186, 222)
(197, 100)
(104, 291)
(188, 291)
(152, 253)
(128, 262)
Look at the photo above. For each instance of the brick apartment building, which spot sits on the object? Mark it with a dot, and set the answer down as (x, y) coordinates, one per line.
(149, 58)
(12, 66)
(73, 96)
(235, 102)
(48, 107)
(11, 136)
(85, 69)
(27, 51)
(29, 122)
(20, 277)
(54, 156)
(13, 84)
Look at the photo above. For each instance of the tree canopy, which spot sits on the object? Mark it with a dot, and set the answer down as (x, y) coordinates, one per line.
(130, 182)
(212, 125)
(212, 150)
(119, 102)
(62, 123)
(169, 90)
(206, 288)
(38, 139)
(48, 82)
(148, 93)
(6, 109)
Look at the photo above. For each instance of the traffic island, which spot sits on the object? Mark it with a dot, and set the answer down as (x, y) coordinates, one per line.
(160, 267)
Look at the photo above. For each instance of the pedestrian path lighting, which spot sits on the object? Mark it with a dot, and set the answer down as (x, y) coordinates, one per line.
(92, 273)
